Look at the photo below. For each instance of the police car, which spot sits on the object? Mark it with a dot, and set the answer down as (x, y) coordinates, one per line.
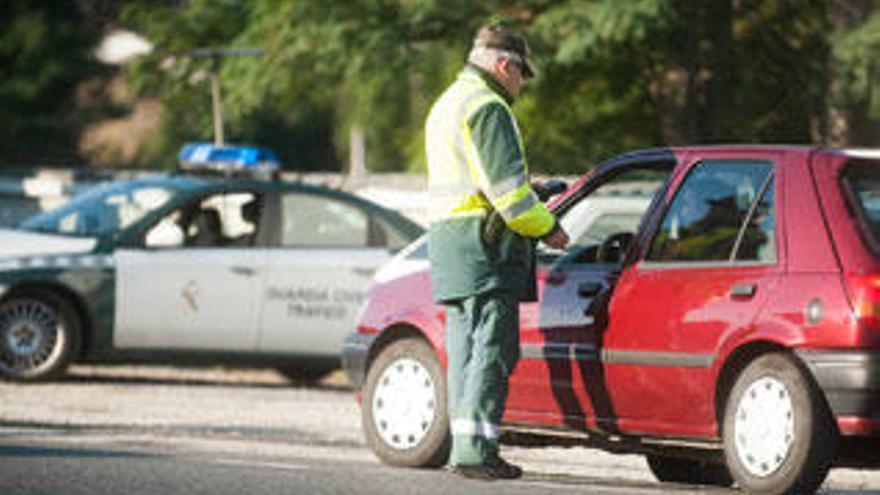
(193, 267)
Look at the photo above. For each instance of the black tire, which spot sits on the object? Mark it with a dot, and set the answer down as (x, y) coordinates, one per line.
(790, 449)
(39, 336)
(407, 361)
(689, 471)
(304, 374)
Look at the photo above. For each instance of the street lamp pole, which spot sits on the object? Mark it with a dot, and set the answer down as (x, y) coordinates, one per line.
(217, 108)
(216, 102)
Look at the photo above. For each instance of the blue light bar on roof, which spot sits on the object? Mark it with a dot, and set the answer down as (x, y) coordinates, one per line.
(207, 156)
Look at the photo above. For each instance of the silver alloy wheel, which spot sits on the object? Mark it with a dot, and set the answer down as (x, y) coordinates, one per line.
(764, 426)
(31, 338)
(404, 403)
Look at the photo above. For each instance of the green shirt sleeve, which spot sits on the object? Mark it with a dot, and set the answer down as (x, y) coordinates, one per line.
(495, 137)
(497, 142)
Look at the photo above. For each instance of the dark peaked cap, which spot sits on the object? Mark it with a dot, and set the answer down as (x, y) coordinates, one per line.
(501, 38)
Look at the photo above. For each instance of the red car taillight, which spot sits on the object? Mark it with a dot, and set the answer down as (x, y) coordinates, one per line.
(865, 293)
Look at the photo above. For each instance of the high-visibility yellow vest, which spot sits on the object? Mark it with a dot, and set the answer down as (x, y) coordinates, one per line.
(472, 170)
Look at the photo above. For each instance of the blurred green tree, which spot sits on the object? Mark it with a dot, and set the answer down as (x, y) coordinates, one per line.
(852, 97)
(44, 56)
(613, 75)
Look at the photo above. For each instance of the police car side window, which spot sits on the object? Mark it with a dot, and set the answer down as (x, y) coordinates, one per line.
(314, 220)
(220, 220)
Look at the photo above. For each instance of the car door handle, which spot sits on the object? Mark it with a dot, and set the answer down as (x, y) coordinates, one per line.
(244, 271)
(742, 291)
(589, 289)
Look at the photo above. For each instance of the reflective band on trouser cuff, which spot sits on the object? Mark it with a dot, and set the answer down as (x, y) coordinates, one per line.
(474, 428)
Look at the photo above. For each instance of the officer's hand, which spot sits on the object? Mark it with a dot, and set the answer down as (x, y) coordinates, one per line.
(558, 240)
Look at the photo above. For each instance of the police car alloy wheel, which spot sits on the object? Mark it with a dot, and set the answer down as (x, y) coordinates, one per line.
(404, 406)
(779, 436)
(39, 334)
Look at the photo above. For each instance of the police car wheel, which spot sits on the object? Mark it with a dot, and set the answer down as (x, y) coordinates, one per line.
(779, 436)
(404, 406)
(39, 335)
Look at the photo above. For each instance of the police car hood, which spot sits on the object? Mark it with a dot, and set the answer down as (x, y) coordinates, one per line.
(20, 243)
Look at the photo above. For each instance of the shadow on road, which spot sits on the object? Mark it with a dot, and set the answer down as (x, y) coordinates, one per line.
(7, 451)
(206, 377)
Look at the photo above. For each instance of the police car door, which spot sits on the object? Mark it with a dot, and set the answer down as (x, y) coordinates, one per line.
(197, 283)
(319, 272)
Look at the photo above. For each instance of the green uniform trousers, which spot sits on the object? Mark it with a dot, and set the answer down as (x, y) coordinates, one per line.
(482, 344)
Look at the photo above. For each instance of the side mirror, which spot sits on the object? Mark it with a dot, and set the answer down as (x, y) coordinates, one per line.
(167, 234)
(550, 188)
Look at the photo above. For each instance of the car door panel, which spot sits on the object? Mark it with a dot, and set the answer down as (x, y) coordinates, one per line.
(666, 327)
(671, 311)
(324, 257)
(201, 292)
(312, 297)
(560, 341)
(560, 379)
(188, 298)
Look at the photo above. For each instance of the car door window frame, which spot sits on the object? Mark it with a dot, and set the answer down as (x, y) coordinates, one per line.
(604, 174)
(731, 262)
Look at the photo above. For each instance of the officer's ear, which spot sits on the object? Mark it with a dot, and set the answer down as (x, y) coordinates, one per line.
(503, 66)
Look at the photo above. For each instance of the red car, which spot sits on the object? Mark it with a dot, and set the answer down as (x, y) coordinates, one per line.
(733, 335)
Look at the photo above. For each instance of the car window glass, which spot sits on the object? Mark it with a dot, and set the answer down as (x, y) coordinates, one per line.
(704, 220)
(600, 219)
(103, 210)
(389, 236)
(758, 242)
(220, 220)
(862, 182)
(613, 211)
(313, 220)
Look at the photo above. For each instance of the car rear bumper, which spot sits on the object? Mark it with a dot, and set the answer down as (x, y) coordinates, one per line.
(851, 383)
(355, 352)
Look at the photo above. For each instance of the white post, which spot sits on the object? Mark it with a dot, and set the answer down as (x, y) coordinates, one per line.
(357, 167)
(217, 105)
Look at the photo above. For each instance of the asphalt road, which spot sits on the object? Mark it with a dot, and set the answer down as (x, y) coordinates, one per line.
(155, 430)
(38, 461)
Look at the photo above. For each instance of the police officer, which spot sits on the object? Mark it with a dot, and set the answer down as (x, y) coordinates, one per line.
(477, 166)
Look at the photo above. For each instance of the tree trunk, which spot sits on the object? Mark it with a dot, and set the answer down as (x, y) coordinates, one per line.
(693, 93)
(718, 58)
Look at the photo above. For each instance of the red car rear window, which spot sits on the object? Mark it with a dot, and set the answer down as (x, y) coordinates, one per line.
(861, 184)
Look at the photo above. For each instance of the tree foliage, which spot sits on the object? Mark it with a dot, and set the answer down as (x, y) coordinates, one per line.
(613, 75)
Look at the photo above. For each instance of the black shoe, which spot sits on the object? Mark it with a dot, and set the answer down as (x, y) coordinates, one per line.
(494, 469)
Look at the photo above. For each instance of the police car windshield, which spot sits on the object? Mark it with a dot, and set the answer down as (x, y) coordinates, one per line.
(102, 210)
